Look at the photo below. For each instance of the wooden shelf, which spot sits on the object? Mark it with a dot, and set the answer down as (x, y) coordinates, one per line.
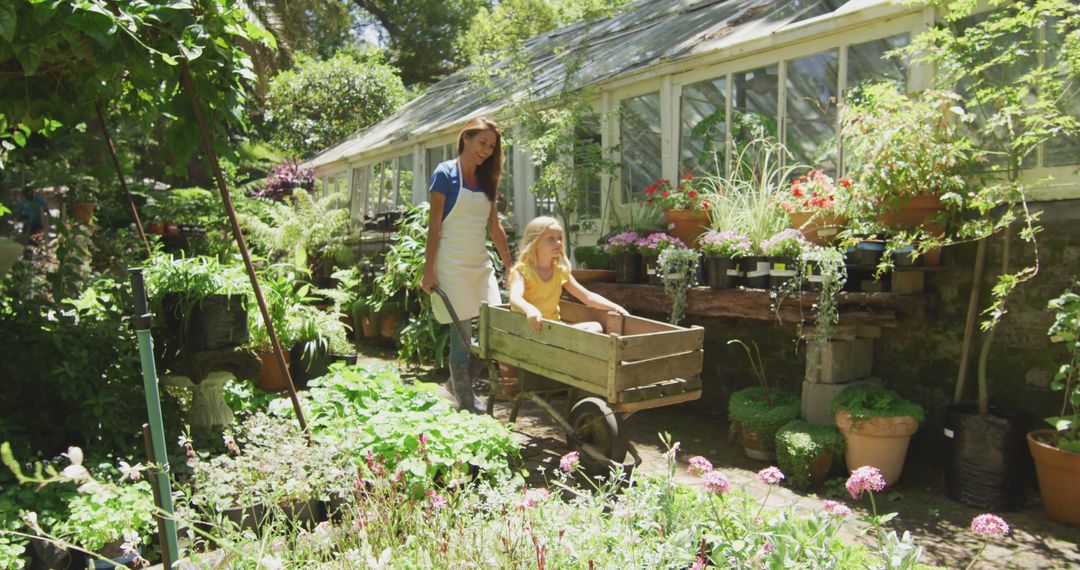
(871, 309)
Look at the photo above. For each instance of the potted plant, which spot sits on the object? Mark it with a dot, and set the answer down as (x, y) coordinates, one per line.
(782, 249)
(756, 413)
(806, 452)
(594, 264)
(82, 198)
(623, 249)
(107, 515)
(724, 252)
(321, 338)
(877, 425)
(816, 206)
(678, 271)
(284, 297)
(686, 209)
(650, 247)
(1057, 450)
(203, 302)
(307, 232)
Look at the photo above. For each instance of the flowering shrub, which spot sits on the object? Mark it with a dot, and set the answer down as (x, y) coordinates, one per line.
(653, 244)
(785, 243)
(285, 178)
(816, 191)
(684, 196)
(625, 242)
(725, 244)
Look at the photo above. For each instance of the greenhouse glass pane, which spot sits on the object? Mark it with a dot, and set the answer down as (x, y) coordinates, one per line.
(755, 94)
(811, 115)
(639, 135)
(590, 151)
(867, 62)
(404, 179)
(506, 184)
(387, 190)
(703, 126)
(1061, 151)
(433, 156)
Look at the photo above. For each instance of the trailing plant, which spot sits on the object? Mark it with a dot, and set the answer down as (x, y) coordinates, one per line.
(864, 402)
(824, 268)
(1066, 328)
(678, 272)
(800, 444)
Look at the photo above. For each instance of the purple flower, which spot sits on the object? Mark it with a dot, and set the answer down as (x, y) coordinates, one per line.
(715, 482)
(570, 462)
(657, 242)
(784, 243)
(836, 509)
(437, 500)
(532, 497)
(770, 476)
(726, 244)
(699, 465)
(865, 478)
(624, 242)
(990, 526)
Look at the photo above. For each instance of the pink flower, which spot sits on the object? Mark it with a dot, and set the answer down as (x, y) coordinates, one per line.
(699, 465)
(715, 482)
(990, 526)
(532, 497)
(570, 462)
(699, 564)
(836, 509)
(770, 476)
(437, 500)
(865, 478)
(424, 438)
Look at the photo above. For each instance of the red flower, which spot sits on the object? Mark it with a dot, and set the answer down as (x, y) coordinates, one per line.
(845, 183)
(796, 191)
(693, 194)
(688, 176)
(664, 194)
(649, 201)
(652, 188)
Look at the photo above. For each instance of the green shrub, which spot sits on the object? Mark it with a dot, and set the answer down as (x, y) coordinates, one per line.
(873, 402)
(748, 412)
(592, 257)
(799, 445)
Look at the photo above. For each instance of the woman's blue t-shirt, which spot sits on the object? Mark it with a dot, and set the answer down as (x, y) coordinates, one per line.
(446, 180)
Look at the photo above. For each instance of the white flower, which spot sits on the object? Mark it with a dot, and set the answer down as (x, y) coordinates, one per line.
(75, 455)
(271, 563)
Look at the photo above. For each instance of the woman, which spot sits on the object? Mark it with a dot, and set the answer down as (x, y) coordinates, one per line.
(463, 205)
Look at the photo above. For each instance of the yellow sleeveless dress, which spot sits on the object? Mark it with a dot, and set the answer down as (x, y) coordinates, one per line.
(543, 295)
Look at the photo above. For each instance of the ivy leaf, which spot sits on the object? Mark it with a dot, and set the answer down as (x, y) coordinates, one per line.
(8, 19)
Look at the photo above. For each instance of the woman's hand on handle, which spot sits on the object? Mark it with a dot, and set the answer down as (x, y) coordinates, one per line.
(428, 281)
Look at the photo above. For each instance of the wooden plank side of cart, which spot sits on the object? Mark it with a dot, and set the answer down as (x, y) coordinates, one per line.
(559, 351)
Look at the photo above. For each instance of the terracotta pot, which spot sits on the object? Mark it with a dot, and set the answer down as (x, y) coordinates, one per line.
(387, 322)
(271, 379)
(82, 211)
(817, 227)
(819, 469)
(686, 225)
(156, 228)
(172, 229)
(1058, 473)
(755, 448)
(913, 213)
(880, 442)
(594, 275)
(368, 326)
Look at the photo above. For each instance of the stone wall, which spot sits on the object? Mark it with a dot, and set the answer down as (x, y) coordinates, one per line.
(920, 358)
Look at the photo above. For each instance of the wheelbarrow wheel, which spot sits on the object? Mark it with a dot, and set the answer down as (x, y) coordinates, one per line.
(594, 423)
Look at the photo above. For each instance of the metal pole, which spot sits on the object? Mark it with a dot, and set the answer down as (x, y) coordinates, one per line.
(140, 322)
(163, 541)
(208, 146)
(120, 176)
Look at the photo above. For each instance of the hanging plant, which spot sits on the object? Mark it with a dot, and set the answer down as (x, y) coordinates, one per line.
(678, 268)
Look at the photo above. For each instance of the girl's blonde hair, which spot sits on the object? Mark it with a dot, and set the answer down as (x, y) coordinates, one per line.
(531, 237)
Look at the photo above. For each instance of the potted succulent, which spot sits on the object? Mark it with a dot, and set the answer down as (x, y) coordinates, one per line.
(623, 249)
(203, 302)
(877, 425)
(686, 210)
(783, 249)
(724, 252)
(1057, 450)
(756, 413)
(816, 206)
(806, 452)
(650, 247)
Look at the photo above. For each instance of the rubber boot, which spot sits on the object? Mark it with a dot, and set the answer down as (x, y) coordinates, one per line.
(461, 383)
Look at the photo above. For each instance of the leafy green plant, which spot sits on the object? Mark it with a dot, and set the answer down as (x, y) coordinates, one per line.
(678, 273)
(185, 206)
(753, 411)
(310, 233)
(106, 512)
(1066, 328)
(243, 397)
(592, 257)
(800, 444)
(788, 242)
(285, 293)
(863, 402)
(189, 280)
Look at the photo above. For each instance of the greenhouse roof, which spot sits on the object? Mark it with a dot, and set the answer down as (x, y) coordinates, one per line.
(647, 34)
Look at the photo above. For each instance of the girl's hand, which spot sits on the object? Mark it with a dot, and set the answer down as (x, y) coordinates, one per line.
(621, 311)
(429, 280)
(535, 318)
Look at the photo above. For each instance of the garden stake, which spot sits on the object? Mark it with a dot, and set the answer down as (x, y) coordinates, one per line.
(140, 322)
(969, 322)
(208, 145)
(120, 176)
(163, 541)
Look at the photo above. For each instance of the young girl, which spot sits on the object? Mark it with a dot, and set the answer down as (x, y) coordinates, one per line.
(543, 271)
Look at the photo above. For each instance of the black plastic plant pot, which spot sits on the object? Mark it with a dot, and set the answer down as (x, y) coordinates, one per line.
(781, 270)
(988, 462)
(628, 268)
(815, 281)
(702, 270)
(866, 254)
(757, 271)
(214, 323)
(651, 263)
(904, 257)
(724, 272)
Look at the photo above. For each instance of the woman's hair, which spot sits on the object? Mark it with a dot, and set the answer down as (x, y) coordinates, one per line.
(490, 172)
(531, 238)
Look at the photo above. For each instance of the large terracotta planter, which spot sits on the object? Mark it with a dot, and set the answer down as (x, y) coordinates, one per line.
(1059, 477)
(880, 442)
(82, 211)
(817, 227)
(387, 322)
(272, 379)
(686, 225)
(913, 213)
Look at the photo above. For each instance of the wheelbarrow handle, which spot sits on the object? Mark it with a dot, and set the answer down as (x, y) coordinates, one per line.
(463, 334)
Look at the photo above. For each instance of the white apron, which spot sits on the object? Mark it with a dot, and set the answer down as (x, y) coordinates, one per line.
(462, 265)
